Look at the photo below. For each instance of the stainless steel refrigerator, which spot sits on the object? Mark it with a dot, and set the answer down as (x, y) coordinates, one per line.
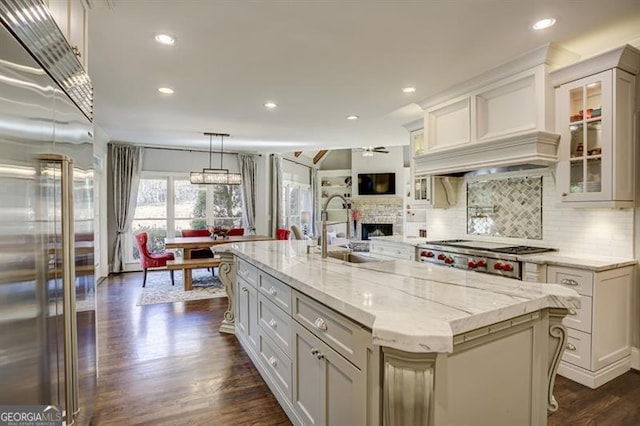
(47, 288)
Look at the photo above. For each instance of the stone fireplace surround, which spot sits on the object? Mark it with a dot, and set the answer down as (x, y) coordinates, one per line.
(379, 210)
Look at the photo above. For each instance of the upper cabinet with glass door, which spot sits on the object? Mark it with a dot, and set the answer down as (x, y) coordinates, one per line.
(595, 121)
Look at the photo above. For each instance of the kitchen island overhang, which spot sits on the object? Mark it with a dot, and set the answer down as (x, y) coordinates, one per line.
(429, 322)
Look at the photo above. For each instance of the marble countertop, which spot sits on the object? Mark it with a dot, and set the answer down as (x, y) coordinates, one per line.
(414, 241)
(411, 306)
(596, 264)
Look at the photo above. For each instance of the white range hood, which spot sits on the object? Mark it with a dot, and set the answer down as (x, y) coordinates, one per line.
(537, 147)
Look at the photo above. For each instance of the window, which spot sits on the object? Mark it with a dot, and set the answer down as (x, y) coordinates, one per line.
(168, 204)
(297, 200)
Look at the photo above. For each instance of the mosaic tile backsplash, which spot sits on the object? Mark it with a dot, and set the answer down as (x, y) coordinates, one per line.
(506, 207)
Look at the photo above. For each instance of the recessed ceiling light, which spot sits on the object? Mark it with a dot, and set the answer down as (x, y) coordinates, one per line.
(409, 89)
(165, 90)
(544, 23)
(270, 105)
(352, 117)
(165, 39)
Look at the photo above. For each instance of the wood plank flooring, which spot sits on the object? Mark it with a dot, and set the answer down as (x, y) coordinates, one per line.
(168, 365)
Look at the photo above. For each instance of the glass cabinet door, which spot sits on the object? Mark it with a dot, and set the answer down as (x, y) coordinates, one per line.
(421, 189)
(585, 127)
(417, 142)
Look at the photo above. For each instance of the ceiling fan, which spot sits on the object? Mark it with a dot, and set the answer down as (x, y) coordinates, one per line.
(368, 151)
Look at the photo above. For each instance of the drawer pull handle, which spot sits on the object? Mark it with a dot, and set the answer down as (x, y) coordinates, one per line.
(244, 289)
(320, 356)
(567, 281)
(273, 323)
(273, 291)
(571, 347)
(573, 312)
(273, 361)
(320, 324)
(314, 351)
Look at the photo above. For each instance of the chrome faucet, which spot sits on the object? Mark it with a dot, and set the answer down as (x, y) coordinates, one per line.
(323, 218)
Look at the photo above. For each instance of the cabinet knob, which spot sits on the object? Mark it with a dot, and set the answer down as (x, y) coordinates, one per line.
(567, 281)
(273, 361)
(314, 351)
(321, 324)
(564, 194)
(320, 356)
(573, 312)
(571, 347)
(76, 51)
(273, 291)
(244, 289)
(273, 323)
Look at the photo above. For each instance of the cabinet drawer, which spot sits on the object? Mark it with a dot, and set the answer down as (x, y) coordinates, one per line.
(578, 349)
(247, 271)
(346, 337)
(275, 323)
(276, 291)
(580, 319)
(394, 251)
(579, 280)
(277, 364)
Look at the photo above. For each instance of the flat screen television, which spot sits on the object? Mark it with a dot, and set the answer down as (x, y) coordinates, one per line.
(376, 183)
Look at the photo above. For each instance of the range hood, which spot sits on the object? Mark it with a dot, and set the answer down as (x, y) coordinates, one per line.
(533, 148)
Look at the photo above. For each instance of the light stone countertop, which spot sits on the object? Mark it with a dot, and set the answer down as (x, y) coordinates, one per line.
(411, 306)
(596, 264)
(414, 241)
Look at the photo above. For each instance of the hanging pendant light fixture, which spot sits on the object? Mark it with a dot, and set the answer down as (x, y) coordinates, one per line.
(216, 176)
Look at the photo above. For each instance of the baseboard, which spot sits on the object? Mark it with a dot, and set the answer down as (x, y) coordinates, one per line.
(595, 379)
(635, 358)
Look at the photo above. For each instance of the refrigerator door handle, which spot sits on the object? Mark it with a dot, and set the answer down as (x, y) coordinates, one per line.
(69, 293)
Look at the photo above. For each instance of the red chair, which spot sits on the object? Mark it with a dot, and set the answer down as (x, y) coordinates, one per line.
(235, 231)
(203, 253)
(282, 234)
(151, 260)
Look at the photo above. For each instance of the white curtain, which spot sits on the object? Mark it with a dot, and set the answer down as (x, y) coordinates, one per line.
(248, 169)
(126, 165)
(277, 199)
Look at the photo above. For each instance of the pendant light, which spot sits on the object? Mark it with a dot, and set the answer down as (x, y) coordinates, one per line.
(216, 176)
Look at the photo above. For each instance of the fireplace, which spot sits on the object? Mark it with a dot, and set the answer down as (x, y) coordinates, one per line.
(376, 230)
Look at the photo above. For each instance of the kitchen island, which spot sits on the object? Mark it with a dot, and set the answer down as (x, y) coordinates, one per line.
(396, 342)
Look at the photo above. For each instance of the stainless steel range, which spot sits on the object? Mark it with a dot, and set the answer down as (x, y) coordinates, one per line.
(481, 256)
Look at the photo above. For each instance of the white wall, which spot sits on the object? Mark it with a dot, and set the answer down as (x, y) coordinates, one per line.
(166, 160)
(393, 162)
(596, 232)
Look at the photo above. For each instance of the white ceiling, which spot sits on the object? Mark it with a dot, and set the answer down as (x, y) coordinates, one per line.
(318, 60)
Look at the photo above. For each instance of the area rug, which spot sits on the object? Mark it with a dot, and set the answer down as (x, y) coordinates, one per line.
(160, 290)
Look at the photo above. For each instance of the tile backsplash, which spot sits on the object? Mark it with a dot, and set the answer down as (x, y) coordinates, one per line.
(578, 232)
(505, 207)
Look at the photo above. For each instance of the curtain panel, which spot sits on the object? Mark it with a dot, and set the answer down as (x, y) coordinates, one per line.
(126, 166)
(277, 200)
(248, 169)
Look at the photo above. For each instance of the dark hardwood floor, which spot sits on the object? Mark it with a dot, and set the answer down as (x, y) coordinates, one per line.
(168, 364)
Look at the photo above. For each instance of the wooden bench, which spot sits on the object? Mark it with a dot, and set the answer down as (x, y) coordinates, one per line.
(188, 264)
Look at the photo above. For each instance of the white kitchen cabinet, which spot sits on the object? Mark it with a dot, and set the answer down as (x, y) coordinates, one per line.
(319, 365)
(247, 313)
(327, 389)
(391, 250)
(599, 333)
(595, 117)
(71, 18)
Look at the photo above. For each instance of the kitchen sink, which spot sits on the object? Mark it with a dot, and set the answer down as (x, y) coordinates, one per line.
(351, 257)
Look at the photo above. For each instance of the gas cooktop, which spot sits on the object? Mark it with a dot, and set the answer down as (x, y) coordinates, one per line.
(491, 246)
